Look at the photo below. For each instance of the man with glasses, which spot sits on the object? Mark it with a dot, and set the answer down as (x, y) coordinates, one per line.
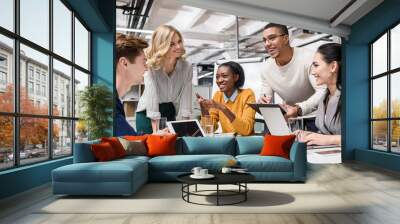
(287, 72)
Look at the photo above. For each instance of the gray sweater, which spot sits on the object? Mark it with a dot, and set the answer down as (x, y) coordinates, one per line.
(324, 119)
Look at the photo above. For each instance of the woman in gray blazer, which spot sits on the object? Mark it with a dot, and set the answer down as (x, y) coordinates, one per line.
(326, 69)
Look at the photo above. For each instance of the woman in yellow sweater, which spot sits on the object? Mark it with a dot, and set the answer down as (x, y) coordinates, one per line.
(230, 106)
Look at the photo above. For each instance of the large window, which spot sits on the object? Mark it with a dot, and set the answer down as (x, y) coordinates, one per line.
(385, 94)
(3, 71)
(44, 64)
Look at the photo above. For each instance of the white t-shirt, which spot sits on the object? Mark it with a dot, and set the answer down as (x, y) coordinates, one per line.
(293, 82)
(161, 88)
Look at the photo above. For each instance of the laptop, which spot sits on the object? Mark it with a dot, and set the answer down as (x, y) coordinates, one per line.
(186, 128)
(277, 124)
(273, 117)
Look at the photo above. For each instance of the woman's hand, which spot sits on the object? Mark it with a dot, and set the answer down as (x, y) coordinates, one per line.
(204, 104)
(163, 132)
(224, 109)
(300, 134)
(208, 104)
(318, 139)
(216, 105)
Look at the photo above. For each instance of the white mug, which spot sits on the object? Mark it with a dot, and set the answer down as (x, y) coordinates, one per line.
(196, 171)
(203, 172)
(226, 170)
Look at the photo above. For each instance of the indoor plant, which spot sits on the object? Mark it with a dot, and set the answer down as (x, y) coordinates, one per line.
(96, 104)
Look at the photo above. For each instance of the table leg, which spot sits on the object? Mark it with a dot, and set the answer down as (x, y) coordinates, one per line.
(245, 191)
(182, 190)
(188, 192)
(217, 194)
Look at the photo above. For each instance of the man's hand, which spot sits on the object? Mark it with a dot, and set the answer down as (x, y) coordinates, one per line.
(265, 99)
(291, 111)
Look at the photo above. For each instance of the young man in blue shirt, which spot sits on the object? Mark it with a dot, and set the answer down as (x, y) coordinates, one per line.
(130, 66)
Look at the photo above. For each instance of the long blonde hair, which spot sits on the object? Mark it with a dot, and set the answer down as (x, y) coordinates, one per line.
(160, 44)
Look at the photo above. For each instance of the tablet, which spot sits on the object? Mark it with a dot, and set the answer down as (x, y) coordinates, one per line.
(186, 128)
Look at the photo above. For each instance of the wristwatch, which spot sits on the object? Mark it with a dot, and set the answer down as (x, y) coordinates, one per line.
(299, 111)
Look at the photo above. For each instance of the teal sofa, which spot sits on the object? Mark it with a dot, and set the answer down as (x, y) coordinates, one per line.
(125, 176)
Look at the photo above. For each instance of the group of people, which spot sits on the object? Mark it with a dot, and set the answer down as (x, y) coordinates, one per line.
(306, 81)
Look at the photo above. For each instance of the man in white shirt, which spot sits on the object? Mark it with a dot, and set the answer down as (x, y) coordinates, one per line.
(287, 72)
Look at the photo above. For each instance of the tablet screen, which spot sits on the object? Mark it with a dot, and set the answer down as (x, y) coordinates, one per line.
(186, 128)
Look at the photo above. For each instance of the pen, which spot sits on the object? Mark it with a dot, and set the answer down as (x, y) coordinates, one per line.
(195, 133)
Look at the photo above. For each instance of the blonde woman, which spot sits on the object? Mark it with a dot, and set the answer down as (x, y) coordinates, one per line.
(168, 82)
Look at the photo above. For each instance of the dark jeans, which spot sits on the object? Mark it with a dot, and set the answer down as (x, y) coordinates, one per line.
(143, 123)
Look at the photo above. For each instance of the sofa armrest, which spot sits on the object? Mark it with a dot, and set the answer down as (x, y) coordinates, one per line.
(83, 153)
(298, 155)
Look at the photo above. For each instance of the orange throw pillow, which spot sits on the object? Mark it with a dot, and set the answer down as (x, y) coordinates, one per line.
(277, 145)
(116, 145)
(103, 152)
(160, 145)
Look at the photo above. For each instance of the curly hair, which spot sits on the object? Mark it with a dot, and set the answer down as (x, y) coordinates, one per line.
(160, 44)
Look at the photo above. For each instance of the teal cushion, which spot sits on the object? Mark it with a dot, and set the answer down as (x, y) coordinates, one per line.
(112, 171)
(83, 152)
(185, 163)
(249, 144)
(133, 157)
(206, 145)
(257, 163)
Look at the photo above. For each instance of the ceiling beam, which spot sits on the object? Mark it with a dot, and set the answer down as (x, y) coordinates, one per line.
(196, 16)
(204, 36)
(346, 11)
(227, 23)
(270, 15)
(254, 27)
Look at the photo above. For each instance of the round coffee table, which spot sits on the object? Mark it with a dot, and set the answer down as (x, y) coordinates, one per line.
(238, 179)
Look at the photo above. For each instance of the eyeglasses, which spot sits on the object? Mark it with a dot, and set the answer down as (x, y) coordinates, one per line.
(272, 38)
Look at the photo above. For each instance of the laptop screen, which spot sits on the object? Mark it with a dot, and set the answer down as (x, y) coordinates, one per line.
(275, 121)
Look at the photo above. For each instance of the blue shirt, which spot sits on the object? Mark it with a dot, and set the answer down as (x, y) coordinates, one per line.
(232, 98)
(122, 127)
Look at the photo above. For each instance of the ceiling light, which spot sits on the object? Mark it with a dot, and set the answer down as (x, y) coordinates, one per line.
(134, 30)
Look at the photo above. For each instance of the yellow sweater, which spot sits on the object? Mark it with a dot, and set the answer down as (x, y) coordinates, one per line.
(244, 121)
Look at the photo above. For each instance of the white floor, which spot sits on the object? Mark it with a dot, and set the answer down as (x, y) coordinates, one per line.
(377, 189)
